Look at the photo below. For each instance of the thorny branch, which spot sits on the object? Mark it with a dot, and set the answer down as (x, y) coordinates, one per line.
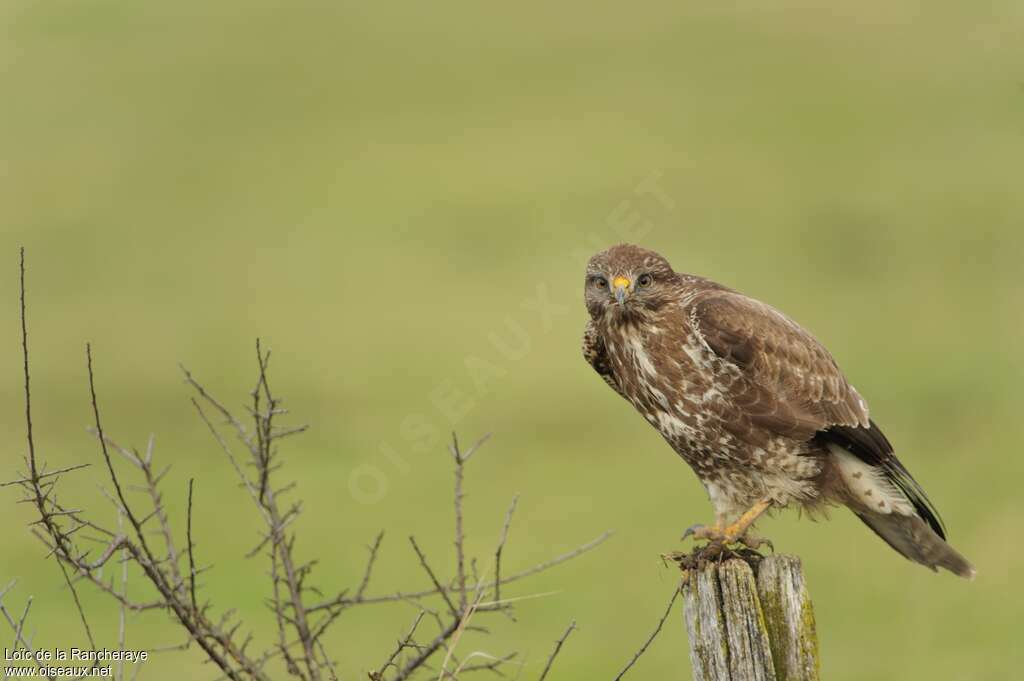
(343, 599)
(301, 622)
(558, 648)
(654, 634)
(18, 625)
(501, 547)
(403, 643)
(191, 548)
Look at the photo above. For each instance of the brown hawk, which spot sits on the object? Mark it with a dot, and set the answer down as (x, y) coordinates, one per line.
(752, 402)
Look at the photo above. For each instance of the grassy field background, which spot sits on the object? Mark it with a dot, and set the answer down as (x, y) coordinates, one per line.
(381, 191)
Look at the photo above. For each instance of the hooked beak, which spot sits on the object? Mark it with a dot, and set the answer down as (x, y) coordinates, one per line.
(620, 286)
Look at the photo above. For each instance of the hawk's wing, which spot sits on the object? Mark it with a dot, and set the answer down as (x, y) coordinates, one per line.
(789, 383)
(597, 356)
(793, 387)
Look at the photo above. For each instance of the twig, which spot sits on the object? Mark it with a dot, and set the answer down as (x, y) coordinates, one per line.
(262, 425)
(122, 610)
(403, 643)
(332, 668)
(223, 444)
(37, 495)
(21, 621)
(151, 487)
(425, 652)
(558, 560)
(106, 457)
(558, 648)
(28, 392)
(460, 536)
(43, 476)
(280, 544)
(191, 544)
(280, 618)
(654, 634)
(501, 547)
(17, 626)
(369, 565)
(433, 578)
(414, 595)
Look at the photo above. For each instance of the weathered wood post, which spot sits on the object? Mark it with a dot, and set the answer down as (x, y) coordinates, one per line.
(750, 623)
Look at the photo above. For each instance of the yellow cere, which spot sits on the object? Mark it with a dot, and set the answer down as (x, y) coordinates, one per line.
(620, 282)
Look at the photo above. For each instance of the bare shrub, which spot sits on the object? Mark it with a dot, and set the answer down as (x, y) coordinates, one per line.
(144, 540)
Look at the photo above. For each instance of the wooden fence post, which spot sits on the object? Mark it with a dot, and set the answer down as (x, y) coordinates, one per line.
(750, 624)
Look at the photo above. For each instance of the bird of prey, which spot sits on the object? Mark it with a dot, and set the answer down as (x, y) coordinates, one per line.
(752, 402)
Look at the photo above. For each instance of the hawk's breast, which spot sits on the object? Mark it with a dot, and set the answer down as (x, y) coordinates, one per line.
(675, 385)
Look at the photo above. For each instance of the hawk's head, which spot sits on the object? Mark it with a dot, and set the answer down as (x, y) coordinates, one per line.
(626, 281)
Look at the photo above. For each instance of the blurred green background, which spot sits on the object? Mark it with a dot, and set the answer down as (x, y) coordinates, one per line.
(383, 192)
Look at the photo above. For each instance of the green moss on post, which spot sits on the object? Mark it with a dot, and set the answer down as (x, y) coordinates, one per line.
(787, 607)
(751, 627)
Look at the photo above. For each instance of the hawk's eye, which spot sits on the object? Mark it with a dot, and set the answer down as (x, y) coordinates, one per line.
(599, 282)
(645, 280)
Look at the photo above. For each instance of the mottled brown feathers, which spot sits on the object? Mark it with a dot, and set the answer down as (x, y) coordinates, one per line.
(749, 399)
(795, 387)
(595, 353)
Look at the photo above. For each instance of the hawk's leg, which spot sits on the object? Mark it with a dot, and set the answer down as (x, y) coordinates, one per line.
(736, 533)
(739, 528)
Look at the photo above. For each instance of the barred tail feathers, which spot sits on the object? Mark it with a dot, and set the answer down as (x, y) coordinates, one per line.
(914, 539)
(883, 494)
